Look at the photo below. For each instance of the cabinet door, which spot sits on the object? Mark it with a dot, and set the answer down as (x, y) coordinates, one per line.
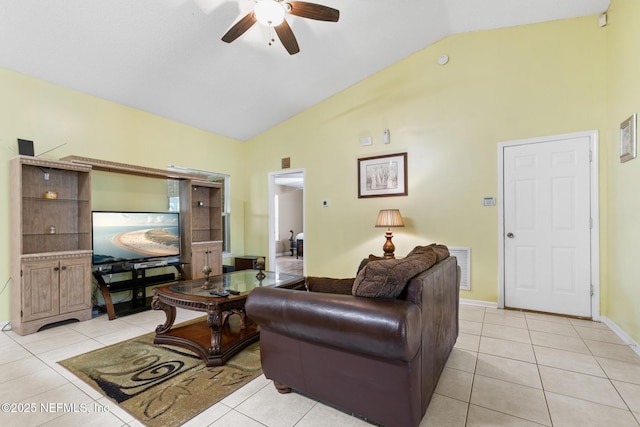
(215, 257)
(198, 260)
(75, 284)
(40, 289)
(206, 254)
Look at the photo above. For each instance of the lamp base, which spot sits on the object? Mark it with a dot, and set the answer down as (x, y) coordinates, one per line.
(388, 248)
(206, 284)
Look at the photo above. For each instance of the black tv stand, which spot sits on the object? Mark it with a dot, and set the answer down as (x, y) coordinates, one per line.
(136, 280)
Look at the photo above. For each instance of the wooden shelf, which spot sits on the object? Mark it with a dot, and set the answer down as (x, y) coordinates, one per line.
(50, 242)
(201, 223)
(63, 223)
(107, 166)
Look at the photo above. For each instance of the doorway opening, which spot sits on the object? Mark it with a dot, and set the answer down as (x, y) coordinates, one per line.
(287, 221)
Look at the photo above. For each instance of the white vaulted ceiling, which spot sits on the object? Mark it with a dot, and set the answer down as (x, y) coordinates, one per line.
(166, 57)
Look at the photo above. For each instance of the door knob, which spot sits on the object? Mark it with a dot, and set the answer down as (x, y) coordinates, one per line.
(510, 235)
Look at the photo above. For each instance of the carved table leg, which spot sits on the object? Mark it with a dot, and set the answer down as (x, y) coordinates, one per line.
(169, 310)
(215, 321)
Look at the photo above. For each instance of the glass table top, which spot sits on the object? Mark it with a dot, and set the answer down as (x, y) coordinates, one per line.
(240, 281)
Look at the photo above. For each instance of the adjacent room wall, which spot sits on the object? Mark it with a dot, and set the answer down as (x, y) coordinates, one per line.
(290, 209)
(499, 85)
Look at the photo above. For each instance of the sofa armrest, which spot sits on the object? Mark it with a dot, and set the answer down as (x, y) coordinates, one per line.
(384, 328)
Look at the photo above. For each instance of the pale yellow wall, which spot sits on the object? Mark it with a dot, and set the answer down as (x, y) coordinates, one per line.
(51, 115)
(623, 62)
(499, 85)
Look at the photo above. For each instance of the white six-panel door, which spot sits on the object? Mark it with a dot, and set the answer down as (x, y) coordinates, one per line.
(547, 226)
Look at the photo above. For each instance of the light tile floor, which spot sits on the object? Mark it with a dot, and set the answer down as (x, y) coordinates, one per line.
(289, 264)
(508, 369)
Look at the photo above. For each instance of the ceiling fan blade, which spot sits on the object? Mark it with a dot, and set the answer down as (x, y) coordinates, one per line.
(239, 28)
(314, 11)
(287, 38)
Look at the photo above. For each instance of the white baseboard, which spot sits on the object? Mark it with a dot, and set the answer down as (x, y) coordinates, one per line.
(479, 303)
(4, 325)
(621, 333)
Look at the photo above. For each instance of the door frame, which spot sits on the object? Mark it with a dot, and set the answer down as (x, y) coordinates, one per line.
(272, 215)
(594, 207)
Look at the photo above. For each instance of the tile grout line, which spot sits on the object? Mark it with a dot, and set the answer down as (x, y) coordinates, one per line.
(582, 339)
(535, 357)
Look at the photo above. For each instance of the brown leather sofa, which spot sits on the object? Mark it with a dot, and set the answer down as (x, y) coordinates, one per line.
(378, 357)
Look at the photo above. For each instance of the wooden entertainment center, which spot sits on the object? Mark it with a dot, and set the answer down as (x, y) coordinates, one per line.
(51, 244)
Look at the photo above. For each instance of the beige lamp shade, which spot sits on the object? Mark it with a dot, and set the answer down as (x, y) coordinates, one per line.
(389, 218)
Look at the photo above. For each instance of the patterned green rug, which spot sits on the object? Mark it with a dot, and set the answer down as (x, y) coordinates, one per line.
(162, 385)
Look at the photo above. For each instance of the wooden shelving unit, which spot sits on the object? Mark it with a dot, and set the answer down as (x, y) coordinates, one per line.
(51, 266)
(200, 213)
(201, 224)
(50, 243)
(125, 168)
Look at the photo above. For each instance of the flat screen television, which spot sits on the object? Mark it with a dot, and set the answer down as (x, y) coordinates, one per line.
(134, 236)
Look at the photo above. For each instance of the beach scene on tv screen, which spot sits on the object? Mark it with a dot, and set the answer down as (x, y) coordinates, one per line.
(122, 236)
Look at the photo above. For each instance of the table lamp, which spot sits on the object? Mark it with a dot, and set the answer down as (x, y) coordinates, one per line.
(389, 218)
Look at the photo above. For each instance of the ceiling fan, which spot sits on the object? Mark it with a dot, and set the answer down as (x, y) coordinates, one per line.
(272, 14)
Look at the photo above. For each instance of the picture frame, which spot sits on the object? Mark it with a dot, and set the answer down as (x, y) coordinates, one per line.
(382, 176)
(628, 139)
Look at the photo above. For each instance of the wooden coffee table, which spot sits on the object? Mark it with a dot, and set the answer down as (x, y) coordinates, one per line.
(215, 339)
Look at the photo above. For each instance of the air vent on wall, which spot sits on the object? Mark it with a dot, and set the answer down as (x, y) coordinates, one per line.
(464, 261)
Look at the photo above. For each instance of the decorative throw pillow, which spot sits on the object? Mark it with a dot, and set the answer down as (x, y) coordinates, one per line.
(366, 261)
(387, 278)
(441, 251)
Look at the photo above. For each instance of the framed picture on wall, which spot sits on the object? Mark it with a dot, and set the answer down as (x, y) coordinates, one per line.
(382, 176)
(628, 139)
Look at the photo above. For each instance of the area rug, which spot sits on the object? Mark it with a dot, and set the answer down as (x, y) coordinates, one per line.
(162, 385)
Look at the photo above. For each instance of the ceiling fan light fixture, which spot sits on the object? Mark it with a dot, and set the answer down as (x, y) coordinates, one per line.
(269, 12)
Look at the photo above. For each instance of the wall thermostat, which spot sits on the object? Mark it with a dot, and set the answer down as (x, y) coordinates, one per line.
(488, 201)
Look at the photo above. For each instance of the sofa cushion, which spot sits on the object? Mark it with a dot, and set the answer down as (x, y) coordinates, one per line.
(387, 278)
(329, 285)
(441, 251)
